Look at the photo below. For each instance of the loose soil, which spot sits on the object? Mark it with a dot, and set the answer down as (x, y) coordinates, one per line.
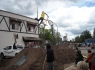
(36, 56)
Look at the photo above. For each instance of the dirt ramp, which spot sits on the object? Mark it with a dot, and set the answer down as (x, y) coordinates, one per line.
(63, 55)
(34, 61)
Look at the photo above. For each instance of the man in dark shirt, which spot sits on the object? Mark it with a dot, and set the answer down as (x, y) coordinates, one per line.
(79, 57)
(14, 46)
(50, 57)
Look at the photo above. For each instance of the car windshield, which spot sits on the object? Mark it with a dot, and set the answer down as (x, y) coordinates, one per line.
(20, 46)
(8, 47)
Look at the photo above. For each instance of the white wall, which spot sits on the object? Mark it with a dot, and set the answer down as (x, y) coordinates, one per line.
(7, 38)
(3, 25)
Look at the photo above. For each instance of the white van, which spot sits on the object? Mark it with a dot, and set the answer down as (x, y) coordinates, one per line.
(11, 51)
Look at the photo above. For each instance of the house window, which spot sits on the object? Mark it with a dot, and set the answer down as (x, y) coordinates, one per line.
(8, 47)
(15, 23)
(31, 28)
(15, 26)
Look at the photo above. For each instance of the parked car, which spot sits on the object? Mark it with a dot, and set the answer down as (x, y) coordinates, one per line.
(11, 51)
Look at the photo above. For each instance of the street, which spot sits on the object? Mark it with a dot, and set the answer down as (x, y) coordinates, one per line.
(84, 50)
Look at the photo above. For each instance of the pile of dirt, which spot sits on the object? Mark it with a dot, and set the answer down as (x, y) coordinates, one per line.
(63, 55)
(36, 57)
(34, 61)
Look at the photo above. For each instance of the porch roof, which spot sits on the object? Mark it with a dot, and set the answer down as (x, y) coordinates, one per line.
(31, 39)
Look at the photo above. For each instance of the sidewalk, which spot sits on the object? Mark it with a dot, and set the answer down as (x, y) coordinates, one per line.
(84, 48)
(71, 68)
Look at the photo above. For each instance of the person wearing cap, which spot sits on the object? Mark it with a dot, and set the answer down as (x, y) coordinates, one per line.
(49, 57)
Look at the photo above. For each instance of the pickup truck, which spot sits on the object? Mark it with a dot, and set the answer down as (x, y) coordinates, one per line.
(10, 51)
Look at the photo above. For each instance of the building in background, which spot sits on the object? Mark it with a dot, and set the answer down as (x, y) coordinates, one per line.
(17, 28)
(65, 39)
(90, 40)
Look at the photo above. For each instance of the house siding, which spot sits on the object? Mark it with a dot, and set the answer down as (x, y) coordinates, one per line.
(7, 33)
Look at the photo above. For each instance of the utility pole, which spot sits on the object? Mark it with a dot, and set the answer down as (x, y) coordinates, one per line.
(38, 22)
(52, 29)
(53, 34)
(37, 12)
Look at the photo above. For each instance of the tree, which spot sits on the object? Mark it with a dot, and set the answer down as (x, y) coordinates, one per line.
(57, 38)
(94, 33)
(77, 39)
(84, 35)
(46, 34)
(41, 35)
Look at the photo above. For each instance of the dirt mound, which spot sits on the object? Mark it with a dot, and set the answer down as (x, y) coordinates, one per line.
(63, 55)
(36, 57)
(68, 55)
(34, 61)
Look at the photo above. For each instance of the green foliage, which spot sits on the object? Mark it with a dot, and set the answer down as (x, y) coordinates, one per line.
(46, 34)
(84, 35)
(77, 39)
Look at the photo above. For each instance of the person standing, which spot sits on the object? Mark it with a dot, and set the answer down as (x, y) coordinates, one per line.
(93, 61)
(49, 57)
(89, 58)
(14, 46)
(79, 57)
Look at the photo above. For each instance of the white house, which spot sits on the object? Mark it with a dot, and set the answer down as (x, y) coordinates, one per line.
(12, 25)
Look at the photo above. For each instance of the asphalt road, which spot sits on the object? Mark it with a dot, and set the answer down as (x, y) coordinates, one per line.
(84, 50)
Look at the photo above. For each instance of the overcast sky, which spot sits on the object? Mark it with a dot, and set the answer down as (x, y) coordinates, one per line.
(71, 16)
